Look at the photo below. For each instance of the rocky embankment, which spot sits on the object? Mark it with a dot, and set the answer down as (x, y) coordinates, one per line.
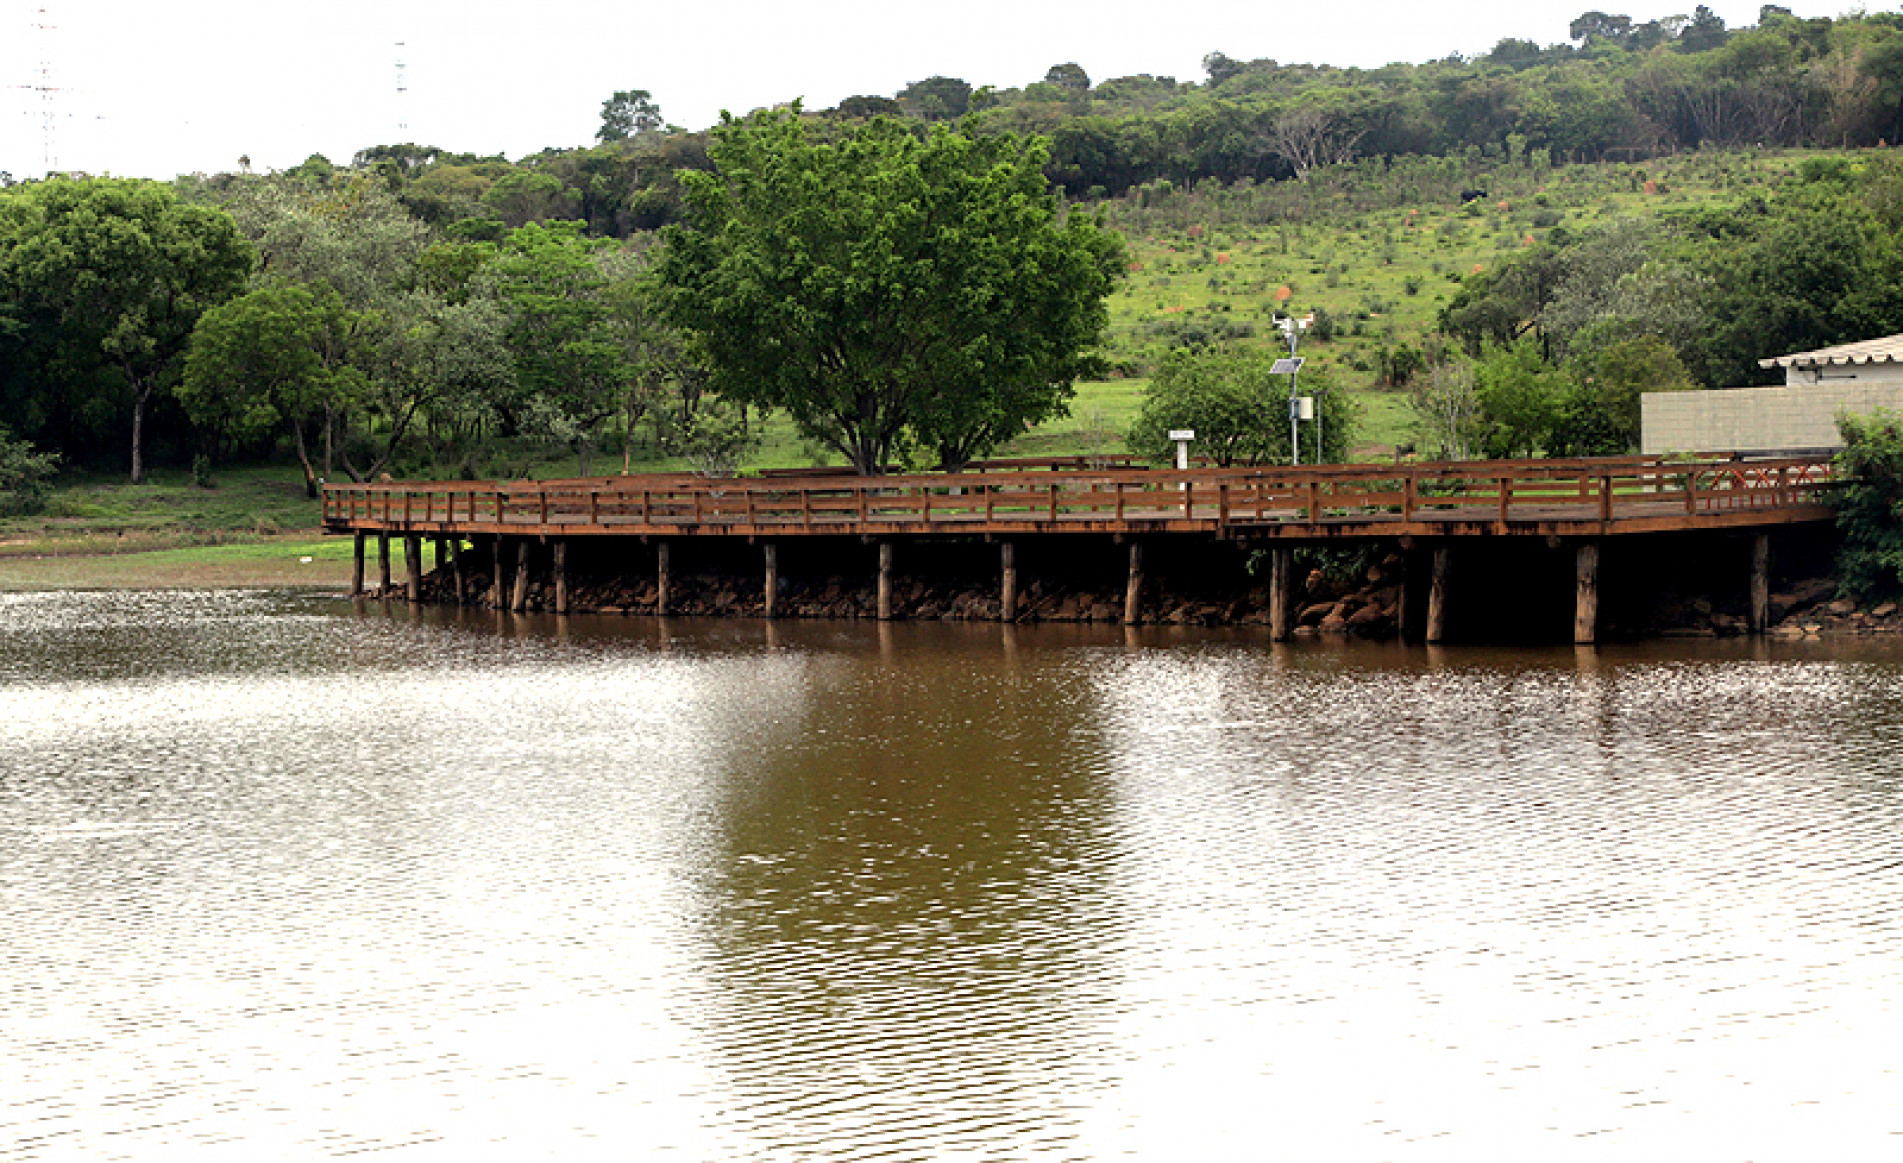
(1368, 606)
(1324, 606)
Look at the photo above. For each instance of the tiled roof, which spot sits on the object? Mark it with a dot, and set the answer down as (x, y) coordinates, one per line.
(1889, 349)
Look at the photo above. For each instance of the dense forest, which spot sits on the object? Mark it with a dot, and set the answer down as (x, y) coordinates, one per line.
(419, 310)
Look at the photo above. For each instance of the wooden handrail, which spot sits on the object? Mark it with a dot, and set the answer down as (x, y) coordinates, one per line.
(1599, 488)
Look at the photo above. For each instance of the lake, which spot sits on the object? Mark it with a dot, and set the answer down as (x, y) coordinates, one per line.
(284, 877)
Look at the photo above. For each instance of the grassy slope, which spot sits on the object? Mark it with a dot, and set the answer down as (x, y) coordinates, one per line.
(1194, 260)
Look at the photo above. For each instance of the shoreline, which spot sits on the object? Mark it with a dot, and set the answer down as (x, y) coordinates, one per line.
(1805, 608)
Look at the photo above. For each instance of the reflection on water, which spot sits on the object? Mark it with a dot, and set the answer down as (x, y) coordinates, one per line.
(287, 878)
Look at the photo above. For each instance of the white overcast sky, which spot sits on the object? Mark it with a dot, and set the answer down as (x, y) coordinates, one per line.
(153, 88)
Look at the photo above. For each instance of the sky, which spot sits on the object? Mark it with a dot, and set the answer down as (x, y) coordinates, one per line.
(145, 89)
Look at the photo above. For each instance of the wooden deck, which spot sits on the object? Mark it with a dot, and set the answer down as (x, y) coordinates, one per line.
(1565, 498)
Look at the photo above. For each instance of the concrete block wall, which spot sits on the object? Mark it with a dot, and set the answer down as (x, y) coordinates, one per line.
(1757, 419)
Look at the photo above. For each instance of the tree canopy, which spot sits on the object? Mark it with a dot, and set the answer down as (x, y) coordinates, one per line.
(888, 288)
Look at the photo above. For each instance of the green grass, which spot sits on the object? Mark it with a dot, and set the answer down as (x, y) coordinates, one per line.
(278, 563)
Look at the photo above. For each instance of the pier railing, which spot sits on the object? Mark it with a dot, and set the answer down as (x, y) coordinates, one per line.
(1060, 498)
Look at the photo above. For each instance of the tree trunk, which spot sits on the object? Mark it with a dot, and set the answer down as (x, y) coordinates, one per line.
(140, 394)
(304, 458)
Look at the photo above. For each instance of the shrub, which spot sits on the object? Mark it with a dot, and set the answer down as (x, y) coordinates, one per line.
(1870, 503)
(26, 476)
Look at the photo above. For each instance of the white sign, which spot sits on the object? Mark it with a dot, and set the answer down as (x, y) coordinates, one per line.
(1182, 434)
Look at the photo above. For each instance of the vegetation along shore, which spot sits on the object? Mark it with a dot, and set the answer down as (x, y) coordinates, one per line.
(1491, 255)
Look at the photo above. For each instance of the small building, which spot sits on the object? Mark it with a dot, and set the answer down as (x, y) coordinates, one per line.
(1873, 361)
(1858, 378)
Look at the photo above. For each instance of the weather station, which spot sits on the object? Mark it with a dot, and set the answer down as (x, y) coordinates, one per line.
(1300, 407)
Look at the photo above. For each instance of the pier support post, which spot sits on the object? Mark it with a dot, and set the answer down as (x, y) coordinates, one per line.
(356, 565)
(1133, 589)
(456, 568)
(383, 563)
(413, 564)
(1281, 593)
(519, 600)
(1437, 594)
(501, 601)
(1760, 583)
(772, 582)
(559, 552)
(442, 551)
(661, 563)
(1586, 594)
(1007, 581)
(885, 581)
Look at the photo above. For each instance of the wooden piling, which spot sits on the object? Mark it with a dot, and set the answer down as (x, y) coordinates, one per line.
(383, 564)
(1133, 589)
(885, 581)
(661, 564)
(1586, 594)
(1281, 592)
(519, 600)
(1008, 581)
(442, 551)
(1437, 594)
(558, 552)
(456, 568)
(1760, 583)
(772, 581)
(356, 565)
(501, 599)
(413, 562)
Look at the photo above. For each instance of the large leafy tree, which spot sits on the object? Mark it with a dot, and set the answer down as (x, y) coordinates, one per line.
(627, 113)
(276, 358)
(119, 271)
(572, 364)
(887, 288)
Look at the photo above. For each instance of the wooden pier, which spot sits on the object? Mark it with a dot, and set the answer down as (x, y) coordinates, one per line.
(1425, 507)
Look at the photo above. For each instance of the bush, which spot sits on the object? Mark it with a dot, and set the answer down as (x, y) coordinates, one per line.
(26, 476)
(1870, 503)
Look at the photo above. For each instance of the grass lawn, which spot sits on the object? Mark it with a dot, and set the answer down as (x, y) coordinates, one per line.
(275, 563)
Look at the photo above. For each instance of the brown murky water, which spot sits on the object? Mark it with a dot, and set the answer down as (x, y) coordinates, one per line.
(280, 879)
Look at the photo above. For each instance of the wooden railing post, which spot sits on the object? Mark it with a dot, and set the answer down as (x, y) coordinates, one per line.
(1409, 488)
(1506, 497)
(1605, 498)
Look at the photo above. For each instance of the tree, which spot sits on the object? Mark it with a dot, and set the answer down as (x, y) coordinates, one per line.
(571, 365)
(1519, 397)
(1220, 67)
(866, 106)
(628, 113)
(123, 271)
(1311, 136)
(1448, 410)
(278, 356)
(1069, 77)
(887, 288)
(937, 98)
(1238, 410)
(1597, 27)
(1599, 415)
